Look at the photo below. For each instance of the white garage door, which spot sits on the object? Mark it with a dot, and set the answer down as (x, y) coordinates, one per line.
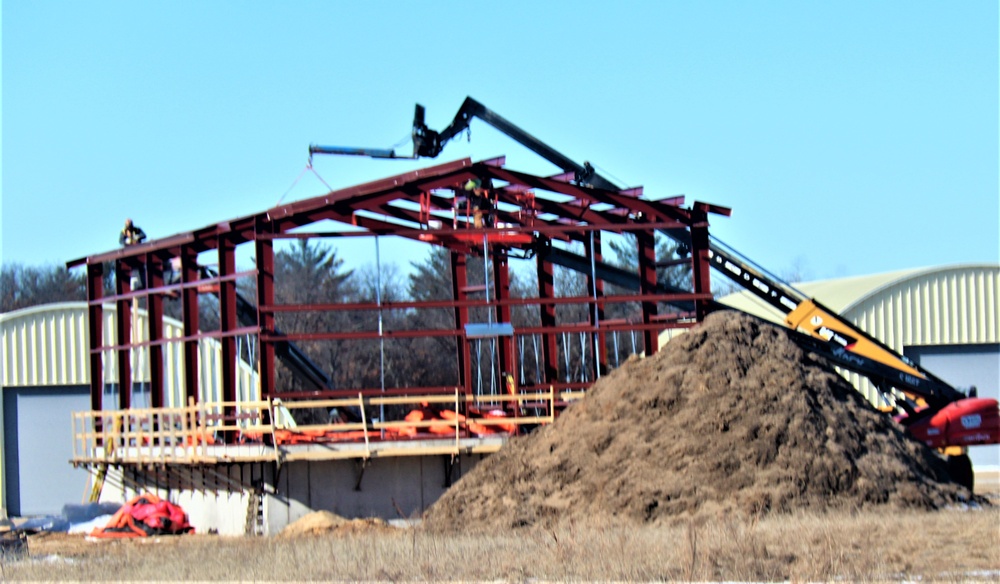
(963, 366)
(38, 444)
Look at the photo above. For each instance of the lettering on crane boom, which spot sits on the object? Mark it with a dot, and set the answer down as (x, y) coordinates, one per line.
(829, 334)
(844, 354)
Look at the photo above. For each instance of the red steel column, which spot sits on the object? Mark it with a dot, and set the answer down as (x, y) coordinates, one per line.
(95, 330)
(501, 284)
(123, 338)
(647, 285)
(189, 308)
(265, 319)
(700, 261)
(547, 313)
(154, 303)
(459, 281)
(227, 324)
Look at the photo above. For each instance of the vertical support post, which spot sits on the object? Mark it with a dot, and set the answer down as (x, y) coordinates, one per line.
(501, 283)
(595, 255)
(189, 308)
(700, 263)
(647, 285)
(547, 314)
(459, 281)
(227, 324)
(123, 337)
(95, 330)
(265, 318)
(154, 303)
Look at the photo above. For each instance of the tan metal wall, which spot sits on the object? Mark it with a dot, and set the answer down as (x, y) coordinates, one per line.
(947, 305)
(957, 305)
(47, 345)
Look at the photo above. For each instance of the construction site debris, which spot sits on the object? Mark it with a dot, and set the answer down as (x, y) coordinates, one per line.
(143, 516)
(325, 522)
(731, 417)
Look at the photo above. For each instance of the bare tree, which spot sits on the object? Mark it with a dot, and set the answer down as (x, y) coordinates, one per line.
(23, 286)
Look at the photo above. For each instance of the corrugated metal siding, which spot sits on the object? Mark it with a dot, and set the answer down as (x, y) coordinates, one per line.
(47, 345)
(946, 306)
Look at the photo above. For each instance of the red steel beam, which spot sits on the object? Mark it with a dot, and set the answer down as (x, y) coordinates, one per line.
(547, 315)
(459, 282)
(227, 323)
(373, 192)
(249, 330)
(154, 315)
(646, 243)
(123, 324)
(189, 310)
(163, 245)
(481, 303)
(700, 261)
(95, 331)
(265, 320)
(651, 208)
(501, 288)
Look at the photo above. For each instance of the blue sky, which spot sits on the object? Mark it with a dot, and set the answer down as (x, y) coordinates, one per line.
(849, 138)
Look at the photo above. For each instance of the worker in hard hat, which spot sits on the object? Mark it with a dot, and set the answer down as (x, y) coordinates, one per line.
(482, 206)
(131, 234)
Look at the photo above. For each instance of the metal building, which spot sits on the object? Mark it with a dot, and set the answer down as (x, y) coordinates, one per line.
(45, 376)
(944, 318)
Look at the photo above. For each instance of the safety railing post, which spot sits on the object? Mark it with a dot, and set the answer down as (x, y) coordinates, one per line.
(72, 421)
(192, 423)
(364, 422)
(201, 444)
(458, 418)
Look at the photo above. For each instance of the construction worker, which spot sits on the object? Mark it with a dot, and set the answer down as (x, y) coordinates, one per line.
(131, 234)
(482, 206)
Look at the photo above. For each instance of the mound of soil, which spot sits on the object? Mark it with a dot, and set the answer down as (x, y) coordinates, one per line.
(731, 416)
(325, 522)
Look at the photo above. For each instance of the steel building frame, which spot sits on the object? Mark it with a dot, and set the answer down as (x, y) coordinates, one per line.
(430, 205)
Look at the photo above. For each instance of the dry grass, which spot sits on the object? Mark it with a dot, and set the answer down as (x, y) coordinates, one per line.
(945, 545)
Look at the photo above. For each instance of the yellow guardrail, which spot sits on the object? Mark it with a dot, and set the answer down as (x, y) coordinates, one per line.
(164, 435)
(234, 431)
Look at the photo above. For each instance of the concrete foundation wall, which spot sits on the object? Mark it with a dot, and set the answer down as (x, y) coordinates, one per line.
(216, 499)
(390, 488)
(225, 499)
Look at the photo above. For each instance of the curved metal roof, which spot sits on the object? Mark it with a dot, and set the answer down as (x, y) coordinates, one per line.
(46, 346)
(942, 305)
(974, 286)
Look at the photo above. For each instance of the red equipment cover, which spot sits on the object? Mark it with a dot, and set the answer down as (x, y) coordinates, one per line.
(967, 422)
(146, 515)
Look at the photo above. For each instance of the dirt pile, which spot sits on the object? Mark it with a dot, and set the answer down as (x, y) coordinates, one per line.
(731, 416)
(325, 522)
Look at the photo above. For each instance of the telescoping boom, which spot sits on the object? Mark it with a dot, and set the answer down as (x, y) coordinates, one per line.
(932, 410)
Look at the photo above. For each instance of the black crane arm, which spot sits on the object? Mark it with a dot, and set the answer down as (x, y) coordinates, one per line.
(846, 344)
(429, 143)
